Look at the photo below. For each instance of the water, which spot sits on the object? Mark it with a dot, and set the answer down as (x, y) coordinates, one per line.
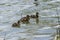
(13, 10)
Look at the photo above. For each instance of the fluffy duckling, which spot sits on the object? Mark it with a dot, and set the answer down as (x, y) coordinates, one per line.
(25, 19)
(35, 16)
(16, 24)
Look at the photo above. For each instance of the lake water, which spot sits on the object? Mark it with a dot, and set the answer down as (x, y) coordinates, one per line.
(12, 10)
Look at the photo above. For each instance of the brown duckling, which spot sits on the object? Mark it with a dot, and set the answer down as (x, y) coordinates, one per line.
(25, 19)
(35, 16)
(16, 24)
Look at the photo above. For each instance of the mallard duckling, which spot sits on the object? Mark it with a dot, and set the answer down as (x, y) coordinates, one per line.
(35, 16)
(16, 24)
(25, 19)
(36, 4)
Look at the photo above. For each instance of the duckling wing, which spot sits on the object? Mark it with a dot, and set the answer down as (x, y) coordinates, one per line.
(33, 16)
(23, 19)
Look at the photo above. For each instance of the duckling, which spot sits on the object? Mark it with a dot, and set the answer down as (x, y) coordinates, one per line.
(36, 4)
(16, 24)
(25, 19)
(35, 16)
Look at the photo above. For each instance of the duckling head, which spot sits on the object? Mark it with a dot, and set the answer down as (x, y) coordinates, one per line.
(18, 22)
(28, 16)
(37, 14)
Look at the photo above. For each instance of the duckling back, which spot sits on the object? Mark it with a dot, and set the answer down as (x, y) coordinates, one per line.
(25, 19)
(34, 16)
(14, 24)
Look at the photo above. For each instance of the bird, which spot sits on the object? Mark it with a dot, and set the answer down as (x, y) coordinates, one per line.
(36, 4)
(16, 24)
(25, 19)
(34, 16)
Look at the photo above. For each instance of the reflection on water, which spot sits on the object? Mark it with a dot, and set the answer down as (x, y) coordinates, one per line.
(37, 20)
(41, 28)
